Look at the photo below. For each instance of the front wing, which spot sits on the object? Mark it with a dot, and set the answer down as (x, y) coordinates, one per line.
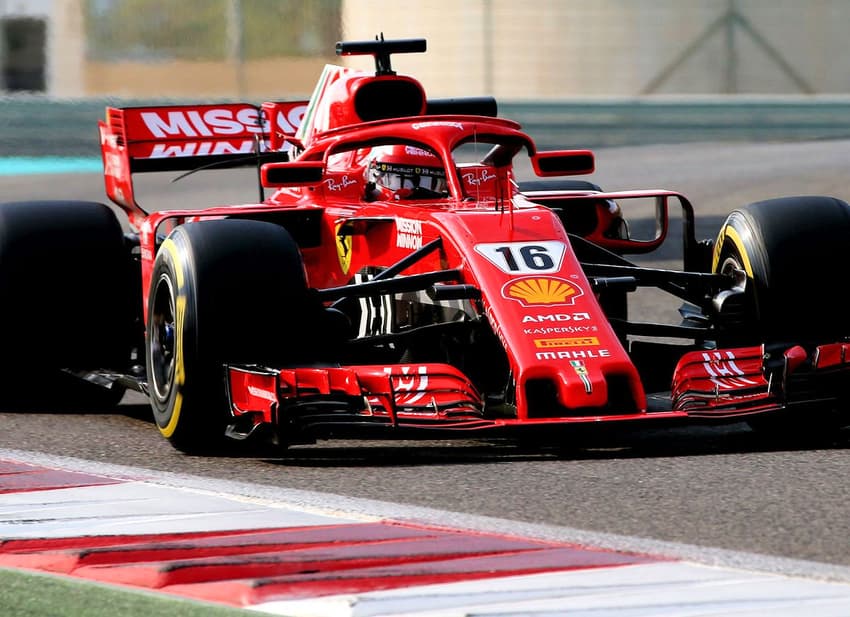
(717, 384)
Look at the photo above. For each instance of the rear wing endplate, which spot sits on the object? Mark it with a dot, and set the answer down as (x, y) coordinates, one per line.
(186, 137)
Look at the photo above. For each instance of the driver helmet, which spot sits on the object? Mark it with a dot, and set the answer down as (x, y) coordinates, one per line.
(406, 172)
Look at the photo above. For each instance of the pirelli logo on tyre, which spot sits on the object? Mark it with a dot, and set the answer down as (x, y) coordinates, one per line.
(541, 290)
(555, 343)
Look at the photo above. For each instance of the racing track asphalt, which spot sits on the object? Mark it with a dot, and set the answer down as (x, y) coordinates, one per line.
(716, 488)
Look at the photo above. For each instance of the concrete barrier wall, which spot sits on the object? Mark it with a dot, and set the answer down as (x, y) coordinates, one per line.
(598, 124)
(34, 126)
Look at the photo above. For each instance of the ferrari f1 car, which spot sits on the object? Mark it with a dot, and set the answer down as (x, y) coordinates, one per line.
(398, 278)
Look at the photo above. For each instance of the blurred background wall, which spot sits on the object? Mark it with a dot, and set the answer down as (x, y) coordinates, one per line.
(548, 49)
(574, 73)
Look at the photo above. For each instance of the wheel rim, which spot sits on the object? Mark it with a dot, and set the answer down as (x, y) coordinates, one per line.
(730, 263)
(162, 343)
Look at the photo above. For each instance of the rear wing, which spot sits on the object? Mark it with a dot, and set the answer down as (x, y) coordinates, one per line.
(186, 137)
(224, 135)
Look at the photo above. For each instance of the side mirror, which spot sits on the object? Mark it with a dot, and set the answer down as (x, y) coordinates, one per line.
(563, 163)
(292, 173)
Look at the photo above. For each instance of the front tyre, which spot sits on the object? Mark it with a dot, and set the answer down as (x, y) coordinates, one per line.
(792, 252)
(222, 291)
(791, 249)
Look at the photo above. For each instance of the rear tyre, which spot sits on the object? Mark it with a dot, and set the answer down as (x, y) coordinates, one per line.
(792, 250)
(67, 302)
(222, 291)
(557, 185)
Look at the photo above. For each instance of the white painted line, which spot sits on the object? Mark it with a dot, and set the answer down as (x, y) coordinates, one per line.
(656, 590)
(139, 508)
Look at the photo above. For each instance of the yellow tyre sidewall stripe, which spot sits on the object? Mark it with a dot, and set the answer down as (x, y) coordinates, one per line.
(730, 234)
(179, 328)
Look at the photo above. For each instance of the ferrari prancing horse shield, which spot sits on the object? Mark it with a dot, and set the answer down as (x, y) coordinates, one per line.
(343, 249)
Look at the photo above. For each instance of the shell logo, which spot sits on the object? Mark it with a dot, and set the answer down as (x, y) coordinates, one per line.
(541, 290)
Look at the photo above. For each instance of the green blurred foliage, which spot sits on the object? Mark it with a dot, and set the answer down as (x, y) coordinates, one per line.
(161, 30)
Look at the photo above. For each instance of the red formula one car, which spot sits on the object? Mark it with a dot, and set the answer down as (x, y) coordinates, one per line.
(396, 278)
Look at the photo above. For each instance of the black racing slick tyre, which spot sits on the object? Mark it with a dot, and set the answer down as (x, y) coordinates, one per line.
(222, 291)
(65, 280)
(557, 185)
(792, 250)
